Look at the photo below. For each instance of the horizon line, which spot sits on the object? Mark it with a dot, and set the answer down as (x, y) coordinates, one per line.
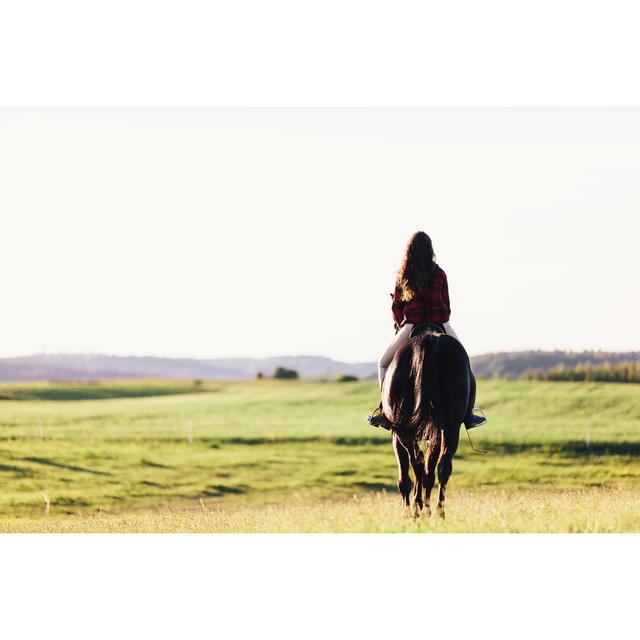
(303, 355)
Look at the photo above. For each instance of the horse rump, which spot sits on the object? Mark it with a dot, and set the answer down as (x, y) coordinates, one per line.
(411, 395)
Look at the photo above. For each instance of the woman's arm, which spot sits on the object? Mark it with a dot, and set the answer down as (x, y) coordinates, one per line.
(397, 307)
(445, 293)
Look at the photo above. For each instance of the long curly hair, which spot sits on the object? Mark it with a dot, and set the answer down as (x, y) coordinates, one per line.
(417, 267)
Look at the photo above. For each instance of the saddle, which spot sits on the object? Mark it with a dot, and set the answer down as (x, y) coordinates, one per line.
(424, 327)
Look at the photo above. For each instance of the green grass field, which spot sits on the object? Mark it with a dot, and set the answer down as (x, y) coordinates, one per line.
(293, 456)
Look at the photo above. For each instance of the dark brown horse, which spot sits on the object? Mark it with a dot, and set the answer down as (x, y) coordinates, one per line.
(428, 391)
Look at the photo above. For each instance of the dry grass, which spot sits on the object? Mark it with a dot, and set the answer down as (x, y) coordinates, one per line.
(591, 510)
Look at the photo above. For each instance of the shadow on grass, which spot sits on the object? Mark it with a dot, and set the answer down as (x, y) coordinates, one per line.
(99, 391)
(223, 489)
(340, 441)
(376, 486)
(155, 465)
(69, 467)
(65, 501)
(569, 449)
(21, 471)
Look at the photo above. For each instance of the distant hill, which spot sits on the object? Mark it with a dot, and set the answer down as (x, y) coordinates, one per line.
(101, 367)
(513, 365)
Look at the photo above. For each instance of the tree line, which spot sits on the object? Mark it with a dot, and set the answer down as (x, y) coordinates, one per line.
(605, 372)
(282, 373)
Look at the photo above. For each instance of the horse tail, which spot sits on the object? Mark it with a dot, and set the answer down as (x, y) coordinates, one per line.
(427, 413)
(414, 395)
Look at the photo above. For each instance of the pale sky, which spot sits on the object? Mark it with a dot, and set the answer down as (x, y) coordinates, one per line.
(221, 233)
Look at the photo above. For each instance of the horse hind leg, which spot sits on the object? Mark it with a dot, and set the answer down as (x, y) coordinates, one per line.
(404, 480)
(433, 454)
(417, 463)
(450, 441)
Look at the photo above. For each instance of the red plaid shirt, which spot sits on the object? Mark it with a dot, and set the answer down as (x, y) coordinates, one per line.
(430, 306)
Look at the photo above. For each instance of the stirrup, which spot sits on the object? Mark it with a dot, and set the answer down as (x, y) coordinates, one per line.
(378, 419)
(478, 420)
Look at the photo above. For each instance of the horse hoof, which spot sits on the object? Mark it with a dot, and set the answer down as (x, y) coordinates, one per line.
(440, 512)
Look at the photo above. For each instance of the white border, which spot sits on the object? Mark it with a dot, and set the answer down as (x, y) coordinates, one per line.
(335, 53)
(292, 586)
(141, 53)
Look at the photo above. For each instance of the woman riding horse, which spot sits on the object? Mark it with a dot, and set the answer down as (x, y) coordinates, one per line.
(427, 386)
(421, 297)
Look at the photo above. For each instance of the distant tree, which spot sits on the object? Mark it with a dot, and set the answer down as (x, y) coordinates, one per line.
(259, 375)
(197, 383)
(282, 373)
(588, 372)
(346, 378)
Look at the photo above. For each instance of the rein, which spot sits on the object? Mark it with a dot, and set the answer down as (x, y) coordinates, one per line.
(471, 443)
